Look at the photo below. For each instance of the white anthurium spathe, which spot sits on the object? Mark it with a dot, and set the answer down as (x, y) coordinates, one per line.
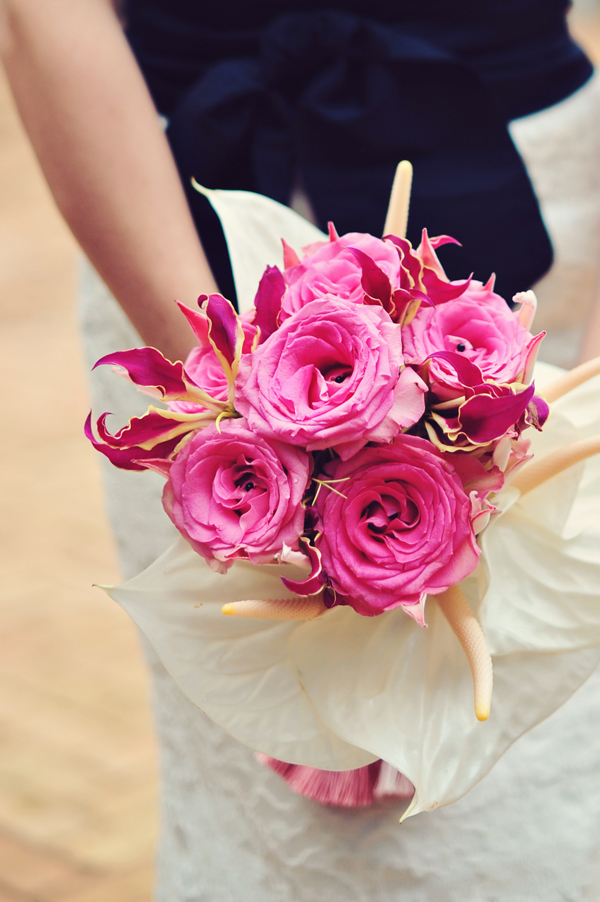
(341, 690)
(237, 671)
(254, 226)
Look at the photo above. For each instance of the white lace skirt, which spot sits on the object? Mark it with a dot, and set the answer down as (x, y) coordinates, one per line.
(231, 829)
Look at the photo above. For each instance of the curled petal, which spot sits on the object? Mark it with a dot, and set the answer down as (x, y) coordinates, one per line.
(225, 331)
(531, 353)
(154, 427)
(374, 281)
(149, 368)
(440, 240)
(198, 321)
(484, 417)
(426, 251)
(411, 263)
(536, 413)
(133, 458)
(313, 584)
(268, 301)
(468, 373)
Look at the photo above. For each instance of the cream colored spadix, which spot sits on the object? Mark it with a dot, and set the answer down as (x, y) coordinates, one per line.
(539, 471)
(468, 632)
(397, 214)
(298, 608)
(571, 379)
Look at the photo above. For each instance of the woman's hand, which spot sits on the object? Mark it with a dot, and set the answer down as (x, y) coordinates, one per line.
(96, 133)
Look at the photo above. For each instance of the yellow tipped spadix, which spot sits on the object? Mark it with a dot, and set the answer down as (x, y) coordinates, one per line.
(397, 214)
(468, 632)
(297, 608)
(537, 472)
(568, 381)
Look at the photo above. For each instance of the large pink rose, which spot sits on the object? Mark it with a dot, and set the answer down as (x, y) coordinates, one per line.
(330, 377)
(479, 325)
(333, 269)
(233, 494)
(396, 528)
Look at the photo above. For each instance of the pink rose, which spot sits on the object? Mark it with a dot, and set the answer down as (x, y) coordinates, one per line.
(396, 528)
(233, 494)
(478, 325)
(330, 377)
(333, 269)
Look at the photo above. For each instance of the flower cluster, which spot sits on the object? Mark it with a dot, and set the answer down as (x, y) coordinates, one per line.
(359, 420)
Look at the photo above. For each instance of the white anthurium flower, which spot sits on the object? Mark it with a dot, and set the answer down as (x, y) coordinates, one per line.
(254, 226)
(341, 690)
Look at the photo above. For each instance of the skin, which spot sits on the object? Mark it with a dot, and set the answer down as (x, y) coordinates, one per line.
(96, 133)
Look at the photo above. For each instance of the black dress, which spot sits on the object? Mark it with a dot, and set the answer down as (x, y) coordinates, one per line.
(265, 94)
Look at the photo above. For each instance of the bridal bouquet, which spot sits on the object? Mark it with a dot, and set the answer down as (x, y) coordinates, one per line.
(357, 467)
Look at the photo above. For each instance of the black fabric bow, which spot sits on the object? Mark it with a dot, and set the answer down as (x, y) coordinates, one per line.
(335, 100)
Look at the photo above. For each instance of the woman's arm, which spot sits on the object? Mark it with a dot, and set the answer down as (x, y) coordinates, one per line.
(95, 130)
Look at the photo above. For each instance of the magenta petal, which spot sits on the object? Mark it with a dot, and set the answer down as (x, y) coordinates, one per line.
(403, 244)
(198, 321)
(314, 581)
(268, 301)
(440, 240)
(441, 291)
(148, 367)
(225, 332)
(148, 430)
(484, 418)
(130, 458)
(537, 412)
(333, 235)
(468, 373)
(426, 252)
(374, 281)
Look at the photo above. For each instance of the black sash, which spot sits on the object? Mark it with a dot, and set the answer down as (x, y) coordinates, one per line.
(336, 100)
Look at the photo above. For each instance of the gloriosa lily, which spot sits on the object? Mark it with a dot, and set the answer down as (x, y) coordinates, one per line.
(485, 412)
(159, 433)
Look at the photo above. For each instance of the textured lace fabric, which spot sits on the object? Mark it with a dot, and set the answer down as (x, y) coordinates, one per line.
(232, 831)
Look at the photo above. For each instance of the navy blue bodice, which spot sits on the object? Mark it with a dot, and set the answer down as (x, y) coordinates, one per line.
(260, 95)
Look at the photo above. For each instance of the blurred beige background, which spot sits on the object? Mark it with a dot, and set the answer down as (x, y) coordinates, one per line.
(77, 758)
